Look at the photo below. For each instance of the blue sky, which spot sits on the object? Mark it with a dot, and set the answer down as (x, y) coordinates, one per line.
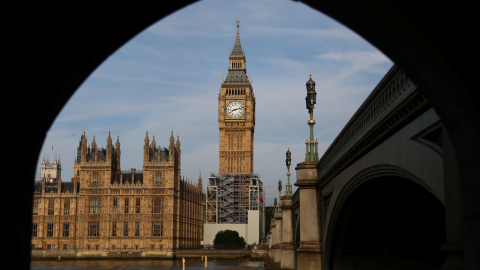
(167, 78)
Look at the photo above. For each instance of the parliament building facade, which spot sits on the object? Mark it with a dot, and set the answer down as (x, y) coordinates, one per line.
(104, 210)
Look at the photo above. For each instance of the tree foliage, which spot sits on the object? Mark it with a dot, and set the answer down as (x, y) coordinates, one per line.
(228, 239)
(268, 218)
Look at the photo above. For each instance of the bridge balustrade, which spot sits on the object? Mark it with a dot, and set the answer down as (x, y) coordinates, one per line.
(384, 99)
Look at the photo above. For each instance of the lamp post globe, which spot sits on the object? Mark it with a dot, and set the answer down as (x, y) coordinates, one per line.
(280, 187)
(288, 160)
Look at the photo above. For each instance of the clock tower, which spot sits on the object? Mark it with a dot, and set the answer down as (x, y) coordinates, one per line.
(236, 115)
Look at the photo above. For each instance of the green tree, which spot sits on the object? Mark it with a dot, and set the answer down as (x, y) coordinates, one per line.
(228, 239)
(268, 218)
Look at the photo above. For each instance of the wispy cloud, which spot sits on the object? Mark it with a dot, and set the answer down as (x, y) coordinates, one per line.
(357, 60)
(167, 79)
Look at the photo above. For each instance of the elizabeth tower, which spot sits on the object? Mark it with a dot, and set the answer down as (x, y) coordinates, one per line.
(236, 115)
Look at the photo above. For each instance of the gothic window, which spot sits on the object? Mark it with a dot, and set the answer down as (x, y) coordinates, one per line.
(126, 206)
(51, 207)
(157, 228)
(35, 207)
(114, 230)
(157, 205)
(34, 229)
(115, 205)
(50, 230)
(93, 228)
(137, 205)
(66, 207)
(158, 178)
(95, 178)
(137, 228)
(66, 229)
(94, 205)
(125, 228)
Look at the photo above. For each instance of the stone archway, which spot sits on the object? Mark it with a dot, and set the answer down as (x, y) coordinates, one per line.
(59, 61)
(384, 223)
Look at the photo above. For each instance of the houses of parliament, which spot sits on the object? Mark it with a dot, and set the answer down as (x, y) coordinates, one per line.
(105, 210)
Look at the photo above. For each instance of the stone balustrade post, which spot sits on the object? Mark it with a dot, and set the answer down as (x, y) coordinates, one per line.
(287, 261)
(278, 233)
(273, 237)
(309, 252)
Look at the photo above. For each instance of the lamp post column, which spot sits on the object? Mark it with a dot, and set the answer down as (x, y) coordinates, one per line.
(288, 162)
(310, 101)
(309, 251)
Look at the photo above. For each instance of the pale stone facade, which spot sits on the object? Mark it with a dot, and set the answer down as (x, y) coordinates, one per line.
(106, 210)
(252, 231)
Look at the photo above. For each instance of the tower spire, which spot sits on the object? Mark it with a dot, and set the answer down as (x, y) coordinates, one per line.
(238, 24)
(237, 70)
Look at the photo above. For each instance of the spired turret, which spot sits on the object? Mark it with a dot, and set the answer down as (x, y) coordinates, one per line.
(237, 69)
(97, 164)
(159, 218)
(51, 171)
(154, 153)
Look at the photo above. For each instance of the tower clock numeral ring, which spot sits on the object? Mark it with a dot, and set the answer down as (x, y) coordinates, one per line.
(235, 109)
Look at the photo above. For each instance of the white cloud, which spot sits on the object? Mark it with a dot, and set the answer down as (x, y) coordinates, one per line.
(357, 59)
(167, 79)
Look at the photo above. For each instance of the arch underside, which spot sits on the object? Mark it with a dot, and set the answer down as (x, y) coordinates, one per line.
(388, 222)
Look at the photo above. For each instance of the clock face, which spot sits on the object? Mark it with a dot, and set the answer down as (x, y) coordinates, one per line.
(235, 109)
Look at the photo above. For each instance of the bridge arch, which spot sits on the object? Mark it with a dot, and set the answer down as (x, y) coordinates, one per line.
(383, 218)
(420, 50)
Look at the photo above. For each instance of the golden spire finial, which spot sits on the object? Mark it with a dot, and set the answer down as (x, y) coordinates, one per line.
(310, 76)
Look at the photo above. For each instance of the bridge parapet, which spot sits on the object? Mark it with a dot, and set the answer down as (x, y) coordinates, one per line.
(382, 110)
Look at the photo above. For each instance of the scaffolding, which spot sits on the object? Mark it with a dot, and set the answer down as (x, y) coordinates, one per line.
(211, 201)
(230, 196)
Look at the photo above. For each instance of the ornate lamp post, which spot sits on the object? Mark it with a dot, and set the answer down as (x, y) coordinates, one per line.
(288, 162)
(310, 101)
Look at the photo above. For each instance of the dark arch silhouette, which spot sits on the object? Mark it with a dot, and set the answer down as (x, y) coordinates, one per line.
(52, 49)
(388, 222)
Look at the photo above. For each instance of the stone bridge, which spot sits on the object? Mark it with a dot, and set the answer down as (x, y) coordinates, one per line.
(433, 44)
(383, 196)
